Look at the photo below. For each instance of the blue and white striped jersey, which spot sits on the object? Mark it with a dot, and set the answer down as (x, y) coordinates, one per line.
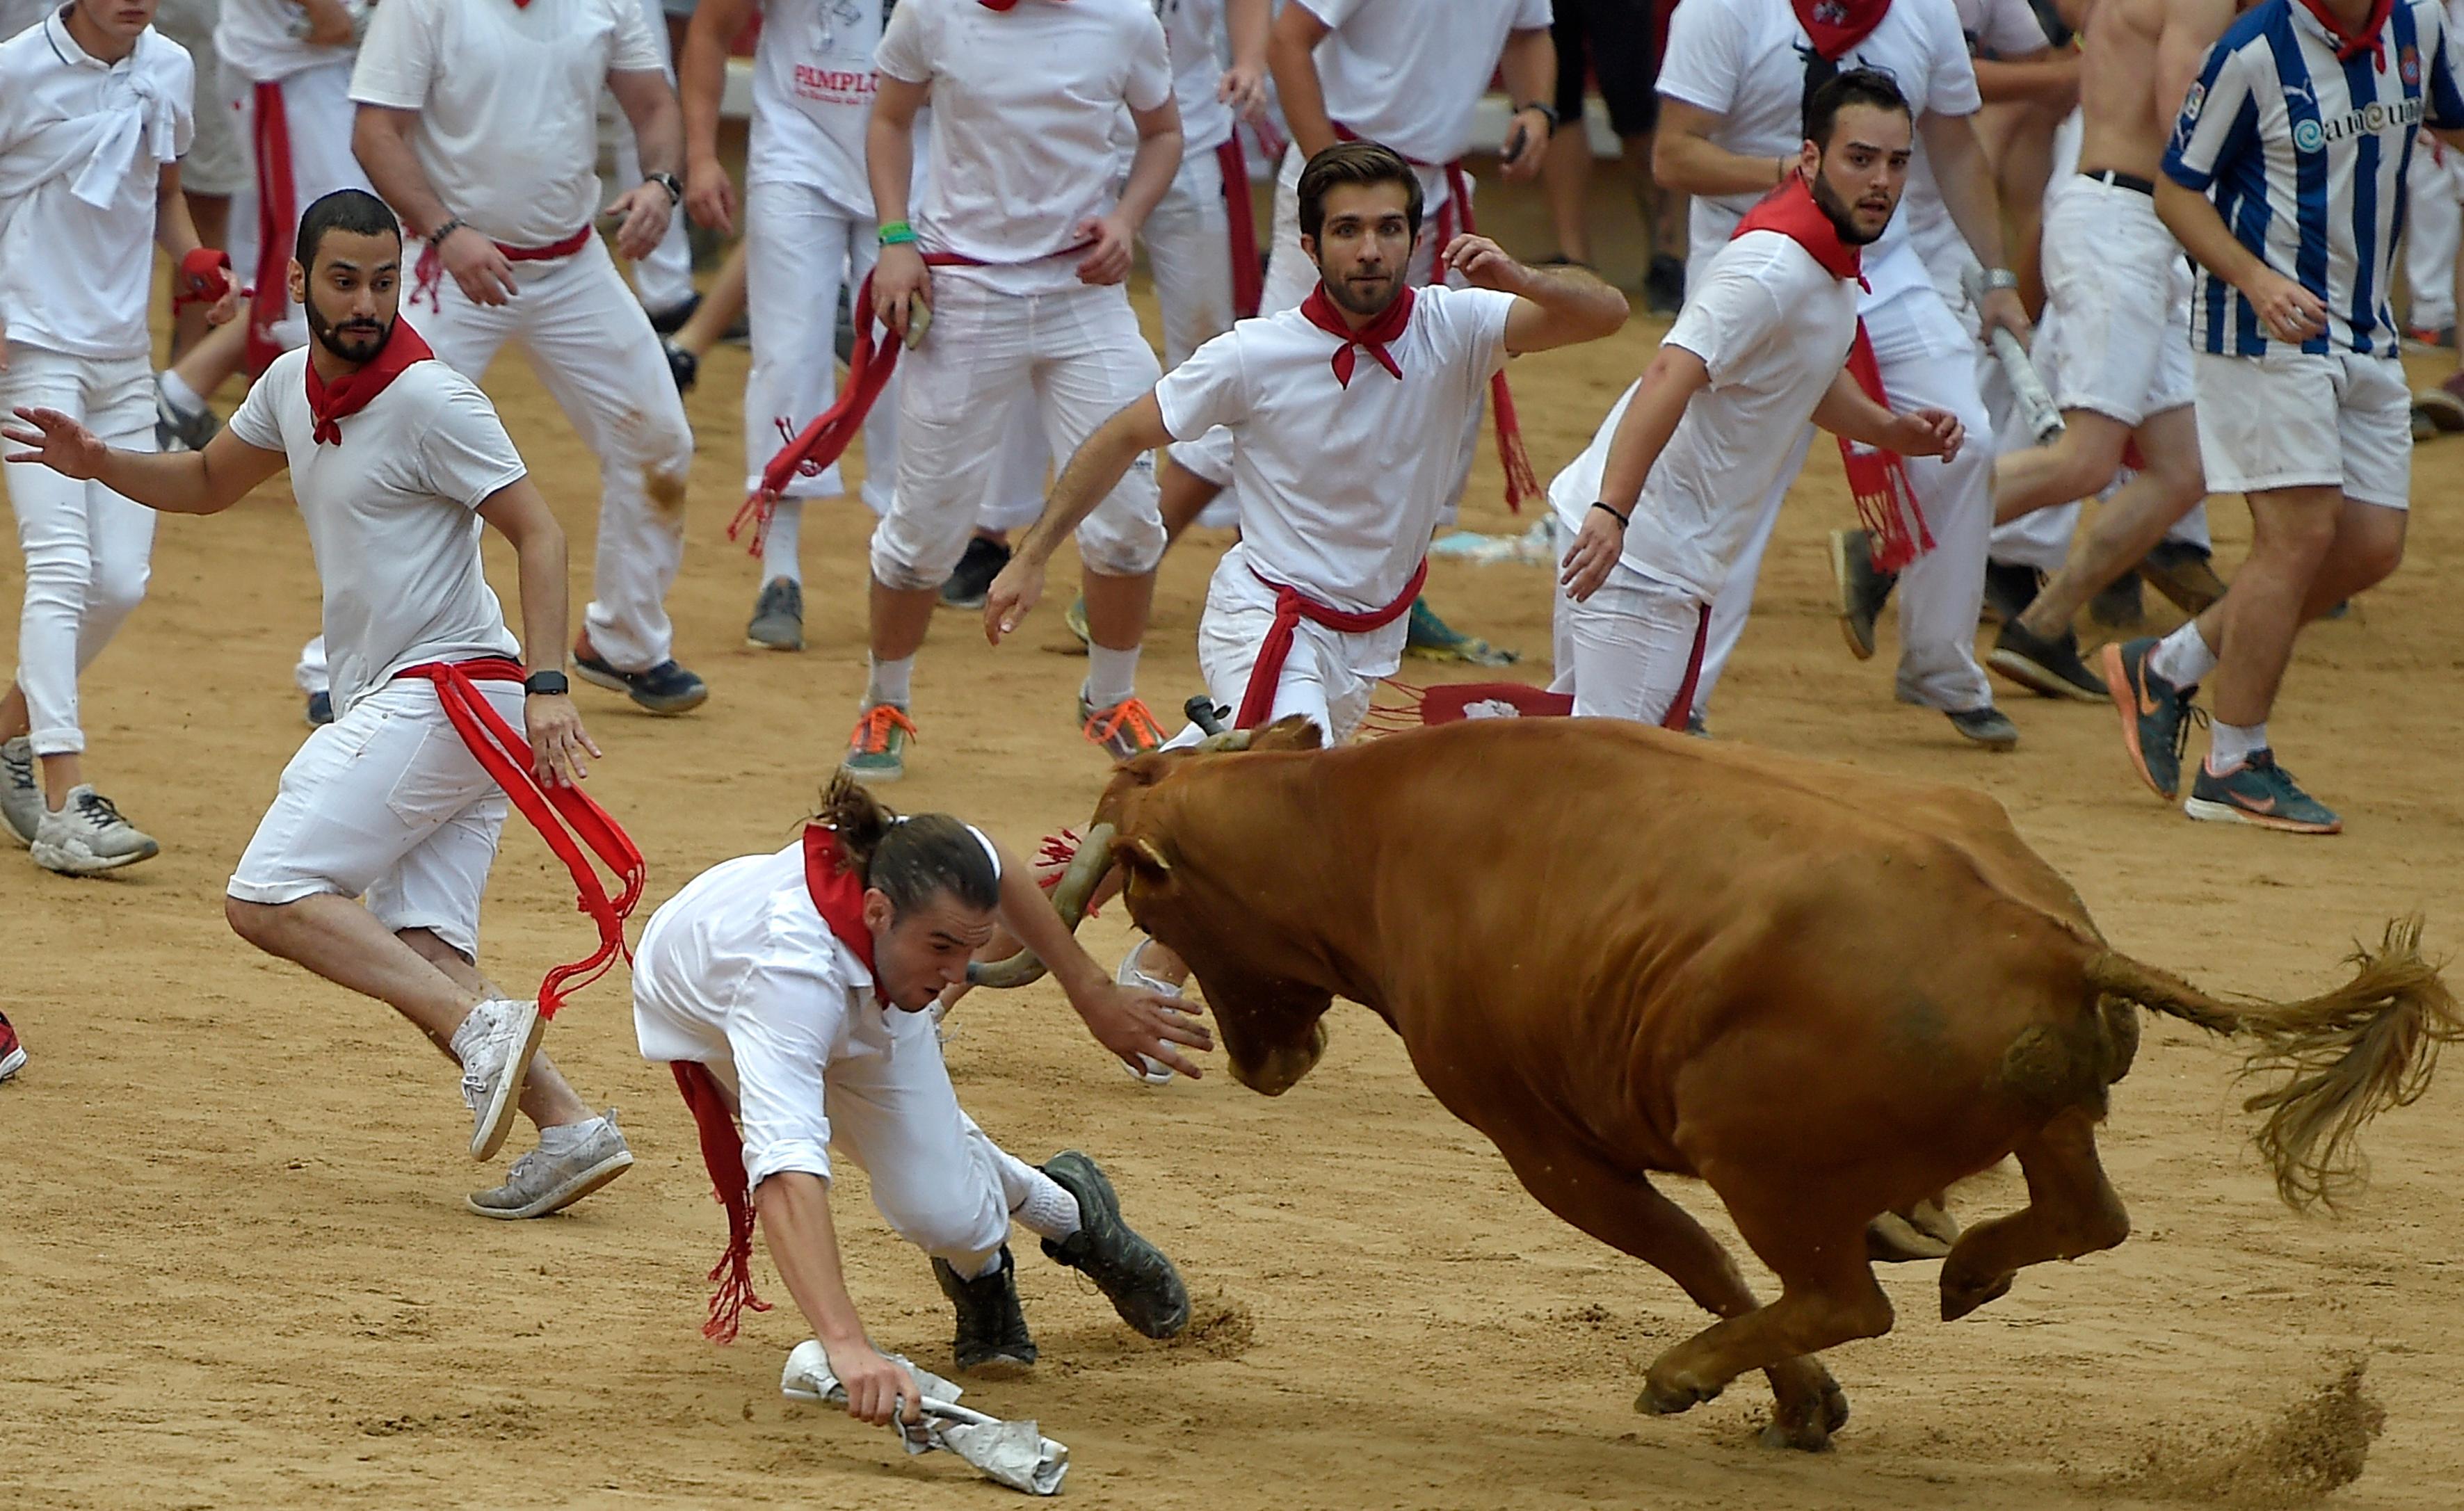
(2305, 154)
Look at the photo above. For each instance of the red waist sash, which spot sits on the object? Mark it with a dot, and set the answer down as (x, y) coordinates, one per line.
(1292, 606)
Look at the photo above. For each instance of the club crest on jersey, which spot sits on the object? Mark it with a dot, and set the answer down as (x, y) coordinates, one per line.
(2407, 65)
(1831, 12)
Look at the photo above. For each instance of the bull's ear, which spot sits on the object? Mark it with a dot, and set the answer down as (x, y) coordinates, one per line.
(1143, 771)
(1142, 854)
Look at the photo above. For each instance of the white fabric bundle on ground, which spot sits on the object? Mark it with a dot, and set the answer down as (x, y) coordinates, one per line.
(1014, 1454)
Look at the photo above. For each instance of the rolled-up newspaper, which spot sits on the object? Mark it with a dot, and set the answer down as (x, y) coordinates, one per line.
(1014, 1454)
(2036, 408)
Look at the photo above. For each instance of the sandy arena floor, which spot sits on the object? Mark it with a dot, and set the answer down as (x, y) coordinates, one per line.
(235, 1271)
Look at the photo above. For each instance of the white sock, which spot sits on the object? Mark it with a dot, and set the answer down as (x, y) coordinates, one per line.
(185, 399)
(2228, 745)
(566, 1137)
(2183, 658)
(891, 683)
(1048, 1212)
(1112, 676)
(779, 548)
(989, 1264)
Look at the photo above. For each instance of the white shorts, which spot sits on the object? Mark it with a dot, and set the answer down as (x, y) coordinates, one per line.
(2121, 286)
(2307, 420)
(387, 803)
(1327, 676)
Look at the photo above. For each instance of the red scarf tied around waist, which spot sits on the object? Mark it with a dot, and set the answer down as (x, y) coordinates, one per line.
(427, 273)
(1834, 26)
(1292, 606)
(1521, 481)
(1878, 479)
(330, 404)
(837, 896)
(564, 817)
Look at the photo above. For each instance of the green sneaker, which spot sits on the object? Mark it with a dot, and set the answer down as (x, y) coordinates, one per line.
(877, 749)
(2261, 792)
(1432, 639)
(1134, 1274)
(2156, 715)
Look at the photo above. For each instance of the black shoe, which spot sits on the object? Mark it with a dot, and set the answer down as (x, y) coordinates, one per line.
(1664, 287)
(2184, 574)
(2010, 588)
(2120, 605)
(664, 688)
(992, 1330)
(320, 709)
(672, 319)
(682, 365)
(1862, 590)
(2050, 669)
(974, 576)
(1141, 1284)
(842, 339)
(1988, 725)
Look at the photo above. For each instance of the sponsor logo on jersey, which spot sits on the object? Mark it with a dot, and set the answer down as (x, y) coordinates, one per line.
(2312, 136)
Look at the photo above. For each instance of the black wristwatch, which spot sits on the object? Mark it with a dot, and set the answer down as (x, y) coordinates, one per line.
(546, 684)
(1547, 110)
(670, 183)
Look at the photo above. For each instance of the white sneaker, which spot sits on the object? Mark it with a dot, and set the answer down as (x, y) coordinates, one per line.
(88, 837)
(21, 795)
(1130, 974)
(496, 1044)
(541, 1182)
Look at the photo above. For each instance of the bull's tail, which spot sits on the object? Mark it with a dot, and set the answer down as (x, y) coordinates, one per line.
(2334, 1061)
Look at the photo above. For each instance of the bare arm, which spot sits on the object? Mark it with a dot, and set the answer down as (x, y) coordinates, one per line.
(701, 83)
(175, 231)
(1091, 473)
(795, 1207)
(204, 482)
(1243, 87)
(2291, 312)
(1552, 306)
(658, 133)
(1157, 159)
(1289, 49)
(2191, 28)
(329, 23)
(1669, 385)
(1848, 411)
(1686, 160)
(549, 719)
(1527, 65)
(1966, 181)
(900, 278)
(1127, 1021)
(2045, 78)
(380, 140)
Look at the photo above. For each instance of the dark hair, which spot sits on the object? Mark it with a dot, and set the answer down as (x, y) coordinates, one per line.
(1850, 86)
(911, 860)
(1355, 163)
(354, 211)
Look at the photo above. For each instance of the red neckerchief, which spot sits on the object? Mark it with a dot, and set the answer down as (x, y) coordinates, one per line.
(1371, 338)
(1834, 26)
(998, 5)
(838, 891)
(329, 405)
(1878, 480)
(2350, 44)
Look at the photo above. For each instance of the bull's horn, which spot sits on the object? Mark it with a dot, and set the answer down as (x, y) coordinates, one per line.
(1077, 884)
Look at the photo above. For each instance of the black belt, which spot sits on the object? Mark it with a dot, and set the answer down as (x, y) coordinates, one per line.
(2124, 181)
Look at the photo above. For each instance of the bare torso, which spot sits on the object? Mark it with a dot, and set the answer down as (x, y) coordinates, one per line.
(2138, 57)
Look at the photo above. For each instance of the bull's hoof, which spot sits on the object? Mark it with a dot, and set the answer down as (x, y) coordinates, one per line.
(1893, 1240)
(1658, 1399)
(1960, 1296)
(1806, 1421)
(1810, 1437)
(1933, 1219)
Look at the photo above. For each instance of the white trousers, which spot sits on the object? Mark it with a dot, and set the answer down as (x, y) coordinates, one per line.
(594, 351)
(800, 251)
(1189, 249)
(2433, 224)
(88, 551)
(387, 803)
(937, 1179)
(1928, 362)
(1624, 651)
(1328, 676)
(664, 278)
(318, 114)
(1077, 354)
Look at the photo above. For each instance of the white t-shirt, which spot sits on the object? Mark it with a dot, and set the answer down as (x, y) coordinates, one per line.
(812, 93)
(1743, 60)
(76, 276)
(1023, 106)
(1190, 28)
(391, 515)
(1773, 328)
(508, 101)
(1341, 487)
(1993, 29)
(267, 39)
(1410, 73)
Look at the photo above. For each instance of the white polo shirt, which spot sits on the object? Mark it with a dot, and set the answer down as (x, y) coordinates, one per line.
(1410, 73)
(1023, 106)
(267, 40)
(1341, 487)
(390, 516)
(1743, 60)
(1773, 327)
(82, 147)
(508, 101)
(1190, 28)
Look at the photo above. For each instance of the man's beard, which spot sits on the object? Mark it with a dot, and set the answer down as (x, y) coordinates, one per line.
(1340, 292)
(1843, 218)
(367, 339)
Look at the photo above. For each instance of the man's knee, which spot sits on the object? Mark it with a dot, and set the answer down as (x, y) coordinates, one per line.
(2369, 546)
(113, 592)
(261, 924)
(915, 549)
(953, 1219)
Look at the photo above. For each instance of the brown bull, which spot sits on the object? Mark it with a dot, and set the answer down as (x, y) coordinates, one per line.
(1824, 993)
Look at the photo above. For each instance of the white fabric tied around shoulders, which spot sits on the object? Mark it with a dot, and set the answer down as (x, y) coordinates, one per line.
(99, 150)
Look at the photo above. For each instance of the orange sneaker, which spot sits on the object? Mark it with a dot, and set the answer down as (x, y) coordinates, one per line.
(1126, 729)
(877, 749)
